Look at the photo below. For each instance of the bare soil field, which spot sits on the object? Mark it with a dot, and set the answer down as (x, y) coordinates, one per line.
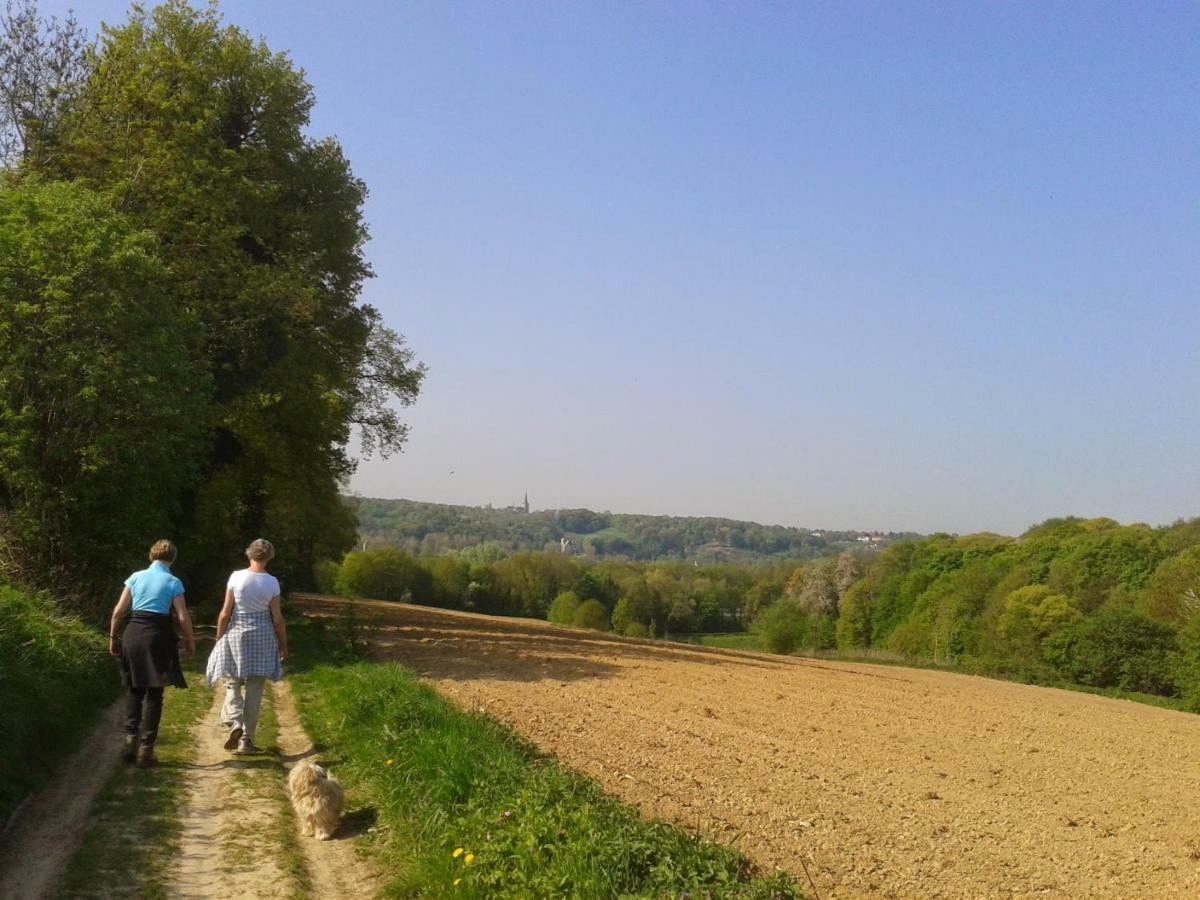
(886, 782)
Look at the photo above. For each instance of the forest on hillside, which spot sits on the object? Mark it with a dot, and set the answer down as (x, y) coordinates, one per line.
(1071, 601)
(428, 529)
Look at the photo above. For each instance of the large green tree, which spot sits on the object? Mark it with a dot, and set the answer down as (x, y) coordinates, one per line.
(100, 402)
(196, 132)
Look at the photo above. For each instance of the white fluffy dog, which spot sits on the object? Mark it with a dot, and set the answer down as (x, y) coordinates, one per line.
(317, 798)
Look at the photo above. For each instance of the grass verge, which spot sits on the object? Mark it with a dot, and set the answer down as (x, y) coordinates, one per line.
(55, 681)
(269, 783)
(134, 825)
(465, 808)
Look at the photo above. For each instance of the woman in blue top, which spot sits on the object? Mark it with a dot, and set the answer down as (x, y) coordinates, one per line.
(148, 652)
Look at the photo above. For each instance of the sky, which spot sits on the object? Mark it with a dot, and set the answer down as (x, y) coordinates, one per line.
(901, 266)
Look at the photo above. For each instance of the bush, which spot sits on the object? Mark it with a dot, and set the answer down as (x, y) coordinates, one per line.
(562, 610)
(55, 679)
(324, 575)
(1187, 669)
(383, 574)
(783, 626)
(636, 629)
(1119, 648)
(591, 614)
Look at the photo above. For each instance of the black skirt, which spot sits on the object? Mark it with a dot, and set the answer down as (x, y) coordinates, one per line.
(150, 653)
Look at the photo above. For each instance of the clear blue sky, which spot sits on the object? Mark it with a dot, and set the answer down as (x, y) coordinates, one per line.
(901, 266)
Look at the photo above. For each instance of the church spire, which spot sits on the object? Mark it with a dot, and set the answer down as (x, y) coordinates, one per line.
(527, 503)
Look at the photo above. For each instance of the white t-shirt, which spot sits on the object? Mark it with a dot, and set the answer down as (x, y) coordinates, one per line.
(253, 591)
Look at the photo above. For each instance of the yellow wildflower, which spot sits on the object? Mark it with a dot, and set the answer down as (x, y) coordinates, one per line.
(390, 762)
(457, 853)
(468, 859)
(456, 881)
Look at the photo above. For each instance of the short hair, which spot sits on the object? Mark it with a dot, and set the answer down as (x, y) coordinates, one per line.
(260, 550)
(164, 550)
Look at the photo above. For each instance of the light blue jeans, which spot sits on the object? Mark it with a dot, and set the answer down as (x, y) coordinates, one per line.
(242, 712)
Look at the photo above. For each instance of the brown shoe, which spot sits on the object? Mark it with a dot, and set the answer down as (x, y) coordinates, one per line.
(146, 758)
(231, 742)
(129, 751)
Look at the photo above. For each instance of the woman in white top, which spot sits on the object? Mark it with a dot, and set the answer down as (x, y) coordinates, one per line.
(251, 645)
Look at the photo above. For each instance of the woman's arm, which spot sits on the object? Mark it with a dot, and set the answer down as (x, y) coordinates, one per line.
(226, 613)
(120, 611)
(179, 606)
(280, 628)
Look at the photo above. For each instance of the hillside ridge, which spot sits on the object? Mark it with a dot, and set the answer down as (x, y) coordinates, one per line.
(432, 528)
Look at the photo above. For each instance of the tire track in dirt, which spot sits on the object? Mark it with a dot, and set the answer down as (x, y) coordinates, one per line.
(336, 870)
(50, 827)
(227, 846)
(888, 782)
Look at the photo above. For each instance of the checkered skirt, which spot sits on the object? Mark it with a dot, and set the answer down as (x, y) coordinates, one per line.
(248, 647)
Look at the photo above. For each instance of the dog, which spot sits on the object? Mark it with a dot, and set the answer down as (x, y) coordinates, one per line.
(317, 798)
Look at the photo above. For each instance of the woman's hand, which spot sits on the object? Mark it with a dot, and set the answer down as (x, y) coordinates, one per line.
(283, 654)
(114, 647)
(189, 650)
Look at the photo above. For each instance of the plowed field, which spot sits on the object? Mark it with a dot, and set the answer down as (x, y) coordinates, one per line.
(887, 782)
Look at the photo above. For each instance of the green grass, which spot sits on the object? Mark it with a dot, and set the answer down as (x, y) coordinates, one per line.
(56, 678)
(134, 825)
(439, 779)
(270, 783)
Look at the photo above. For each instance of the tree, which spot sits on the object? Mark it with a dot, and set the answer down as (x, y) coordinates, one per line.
(43, 62)
(591, 614)
(562, 610)
(1173, 592)
(382, 574)
(812, 587)
(197, 132)
(784, 627)
(99, 399)
(1031, 616)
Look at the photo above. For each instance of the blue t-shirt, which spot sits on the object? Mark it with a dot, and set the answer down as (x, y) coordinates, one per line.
(154, 588)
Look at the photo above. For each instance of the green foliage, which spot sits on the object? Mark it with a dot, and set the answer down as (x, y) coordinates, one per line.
(623, 616)
(98, 397)
(429, 529)
(634, 629)
(1187, 664)
(562, 610)
(1120, 648)
(591, 614)
(325, 573)
(55, 680)
(783, 627)
(243, 341)
(854, 619)
(1173, 591)
(532, 828)
(383, 574)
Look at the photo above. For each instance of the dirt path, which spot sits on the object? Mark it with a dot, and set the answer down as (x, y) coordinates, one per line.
(51, 825)
(228, 824)
(886, 781)
(238, 838)
(335, 869)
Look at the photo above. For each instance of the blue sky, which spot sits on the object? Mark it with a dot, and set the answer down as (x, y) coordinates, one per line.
(906, 266)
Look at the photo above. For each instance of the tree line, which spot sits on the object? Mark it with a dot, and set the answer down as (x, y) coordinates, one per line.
(428, 529)
(1088, 602)
(182, 347)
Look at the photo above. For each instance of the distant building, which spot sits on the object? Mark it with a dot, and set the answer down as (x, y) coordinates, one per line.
(520, 508)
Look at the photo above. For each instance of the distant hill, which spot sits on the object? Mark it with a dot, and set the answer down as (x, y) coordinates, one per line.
(432, 528)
